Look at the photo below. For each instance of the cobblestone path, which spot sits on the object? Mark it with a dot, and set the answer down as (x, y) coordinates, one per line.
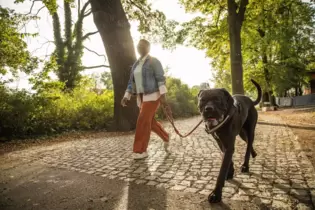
(281, 176)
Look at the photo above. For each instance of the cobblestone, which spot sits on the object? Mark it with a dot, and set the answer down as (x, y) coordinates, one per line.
(281, 176)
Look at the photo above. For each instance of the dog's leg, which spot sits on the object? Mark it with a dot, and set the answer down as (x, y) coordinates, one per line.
(231, 170)
(249, 128)
(243, 136)
(217, 139)
(245, 166)
(230, 174)
(216, 195)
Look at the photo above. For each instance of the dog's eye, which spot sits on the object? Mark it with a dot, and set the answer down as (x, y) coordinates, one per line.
(203, 100)
(215, 99)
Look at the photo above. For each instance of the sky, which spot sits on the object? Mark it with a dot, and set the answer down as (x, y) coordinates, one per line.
(186, 63)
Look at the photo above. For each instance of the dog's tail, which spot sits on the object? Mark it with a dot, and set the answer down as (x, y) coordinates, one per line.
(257, 101)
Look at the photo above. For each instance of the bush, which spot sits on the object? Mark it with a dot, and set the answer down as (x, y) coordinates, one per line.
(53, 111)
(181, 99)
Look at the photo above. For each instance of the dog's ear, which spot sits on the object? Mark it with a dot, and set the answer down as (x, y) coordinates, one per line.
(228, 96)
(200, 91)
(225, 92)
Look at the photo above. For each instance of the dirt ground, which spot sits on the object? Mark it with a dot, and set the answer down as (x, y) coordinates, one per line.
(302, 122)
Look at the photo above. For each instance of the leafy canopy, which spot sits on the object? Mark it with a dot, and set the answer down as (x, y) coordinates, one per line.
(14, 55)
(280, 31)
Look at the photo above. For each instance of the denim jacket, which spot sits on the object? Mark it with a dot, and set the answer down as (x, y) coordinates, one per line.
(153, 76)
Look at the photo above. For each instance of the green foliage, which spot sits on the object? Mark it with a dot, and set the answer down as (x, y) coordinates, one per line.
(181, 99)
(106, 79)
(277, 41)
(152, 23)
(69, 45)
(280, 34)
(14, 55)
(53, 111)
(66, 59)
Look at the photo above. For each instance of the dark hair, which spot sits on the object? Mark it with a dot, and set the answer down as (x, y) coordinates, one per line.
(145, 41)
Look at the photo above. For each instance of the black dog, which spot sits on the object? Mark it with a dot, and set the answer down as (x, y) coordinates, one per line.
(215, 105)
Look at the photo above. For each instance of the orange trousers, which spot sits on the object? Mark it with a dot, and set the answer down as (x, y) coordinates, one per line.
(145, 124)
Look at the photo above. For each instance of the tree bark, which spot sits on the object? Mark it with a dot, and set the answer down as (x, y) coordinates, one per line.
(235, 20)
(267, 78)
(114, 28)
(300, 90)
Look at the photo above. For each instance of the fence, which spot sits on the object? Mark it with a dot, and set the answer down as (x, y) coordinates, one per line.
(306, 100)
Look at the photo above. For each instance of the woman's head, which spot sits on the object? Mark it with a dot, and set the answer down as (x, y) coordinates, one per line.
(143, 47)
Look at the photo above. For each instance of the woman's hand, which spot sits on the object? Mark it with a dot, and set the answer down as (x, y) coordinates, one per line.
(163, 100)
(124, 101)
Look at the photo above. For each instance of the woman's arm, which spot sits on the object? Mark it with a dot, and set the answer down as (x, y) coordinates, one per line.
(160, 78)
(159, 75)
(128, 92)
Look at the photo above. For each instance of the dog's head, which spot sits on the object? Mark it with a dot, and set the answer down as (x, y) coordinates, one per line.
(214, 105)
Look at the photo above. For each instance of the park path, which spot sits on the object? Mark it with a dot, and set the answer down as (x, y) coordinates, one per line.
(281, 176)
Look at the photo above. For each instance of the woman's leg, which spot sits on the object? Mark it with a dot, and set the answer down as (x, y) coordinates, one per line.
(159, 130)
(144, 123)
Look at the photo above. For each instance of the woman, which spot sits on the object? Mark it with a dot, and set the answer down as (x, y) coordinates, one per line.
(147, 81)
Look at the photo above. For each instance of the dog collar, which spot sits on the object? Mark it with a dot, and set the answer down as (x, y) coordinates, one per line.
(218, 126)
(228, 116)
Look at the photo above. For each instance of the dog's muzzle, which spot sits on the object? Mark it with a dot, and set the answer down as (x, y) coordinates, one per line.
(212, 122)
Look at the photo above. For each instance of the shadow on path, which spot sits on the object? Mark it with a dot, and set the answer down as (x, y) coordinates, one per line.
(144, 200)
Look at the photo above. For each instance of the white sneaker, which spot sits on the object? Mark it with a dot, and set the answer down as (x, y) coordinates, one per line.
(138, 156)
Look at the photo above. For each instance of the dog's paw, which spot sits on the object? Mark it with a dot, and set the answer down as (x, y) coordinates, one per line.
(230, 175)
(244, 169)
(254, 154)
(215, 197)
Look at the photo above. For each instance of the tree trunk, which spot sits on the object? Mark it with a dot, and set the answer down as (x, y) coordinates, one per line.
(267, 79)
(267, 75)
(300, 90)
(114, 28)
(235, 20)
(296, 91)
(236, 58)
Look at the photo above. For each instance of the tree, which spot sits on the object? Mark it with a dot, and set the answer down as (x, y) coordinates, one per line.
(14, 55)
(182, 99)
(266, 32)
(219, 16)
(111, 19)
(236, 14)
(106, 79)
(112, 23)
(69, 46)
(68, 53)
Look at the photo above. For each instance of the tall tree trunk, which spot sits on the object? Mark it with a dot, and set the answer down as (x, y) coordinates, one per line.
(267, 78)
(296, 91)
(235, 20)
(300, 90)
(112, 23)
(236, 57)
(264, 56)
